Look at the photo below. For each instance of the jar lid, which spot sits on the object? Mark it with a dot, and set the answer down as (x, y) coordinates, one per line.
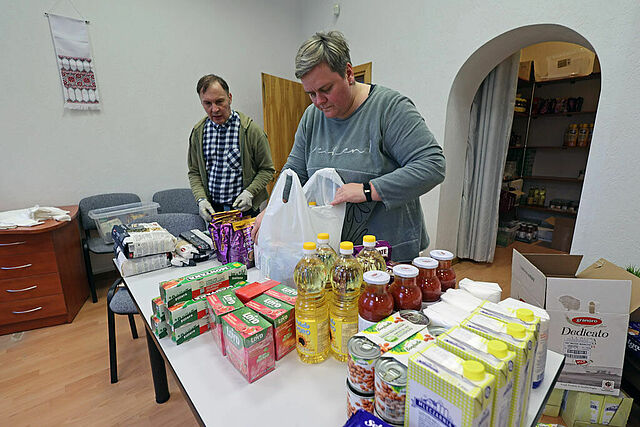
(346, 247)
(473, 370)
(376, 277)
(441, 255)
(405, 270)
(425, 262)
(323, 237)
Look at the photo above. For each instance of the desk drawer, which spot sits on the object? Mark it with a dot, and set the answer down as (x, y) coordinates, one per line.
(31, 309)
(29, 287)
(20, 244)
(27, 265)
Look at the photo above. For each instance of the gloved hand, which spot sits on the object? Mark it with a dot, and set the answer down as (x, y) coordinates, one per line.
(205, 210)
(244, 201)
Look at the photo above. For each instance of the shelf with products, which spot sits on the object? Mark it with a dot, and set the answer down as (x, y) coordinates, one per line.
(546, 209)
(553, 178)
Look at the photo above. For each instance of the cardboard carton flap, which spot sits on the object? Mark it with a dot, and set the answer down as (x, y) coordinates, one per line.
(603, 269)
(555, 265)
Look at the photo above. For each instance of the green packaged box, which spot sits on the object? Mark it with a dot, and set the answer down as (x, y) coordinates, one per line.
(159, 327)
(582, 407)
(186, 312)
(191, 330)
(158, 308)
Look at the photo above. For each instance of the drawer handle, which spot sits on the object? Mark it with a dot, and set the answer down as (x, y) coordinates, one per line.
(15, 268)
(27, 311)
(12, 244)
(22, 290)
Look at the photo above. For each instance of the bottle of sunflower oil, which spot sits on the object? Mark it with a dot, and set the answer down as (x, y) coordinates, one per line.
(312, 309)
(369, 258)
(328, 257)
(346, 282)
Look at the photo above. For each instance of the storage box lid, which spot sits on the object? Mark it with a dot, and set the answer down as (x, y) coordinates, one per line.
(121, 209)
(603, 269)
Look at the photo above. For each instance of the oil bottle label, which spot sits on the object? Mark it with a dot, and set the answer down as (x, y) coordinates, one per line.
(341, 332)
(312, 336)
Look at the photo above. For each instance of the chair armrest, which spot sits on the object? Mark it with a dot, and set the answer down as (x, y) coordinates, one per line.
(112, 289)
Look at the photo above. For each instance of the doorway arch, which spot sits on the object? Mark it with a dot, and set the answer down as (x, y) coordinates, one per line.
(463, 90)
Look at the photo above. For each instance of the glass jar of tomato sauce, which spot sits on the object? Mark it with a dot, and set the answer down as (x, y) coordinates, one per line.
(375, 302)
(406, 293)
(444, 271)
(428, 280)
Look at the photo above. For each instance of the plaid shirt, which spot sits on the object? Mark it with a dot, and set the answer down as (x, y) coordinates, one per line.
(221, 148)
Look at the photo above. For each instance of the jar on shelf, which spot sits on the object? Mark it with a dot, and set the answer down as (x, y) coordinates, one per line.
(375, 302)
(428, 281)
(583, 135)
(542, 196)
(445, 270)
(571, 136)
(406, 293)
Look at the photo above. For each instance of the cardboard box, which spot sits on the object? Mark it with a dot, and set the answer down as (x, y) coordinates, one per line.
(589, 314)
(563, 234)
(573, 62)
(580, 409)
(524, 72)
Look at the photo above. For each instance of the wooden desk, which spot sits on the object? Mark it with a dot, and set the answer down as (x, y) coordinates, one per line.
(42, 277)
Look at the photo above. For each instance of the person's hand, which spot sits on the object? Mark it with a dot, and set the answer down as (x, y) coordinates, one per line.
(244, 201)
(205, 210)
(352, 192)
(256, 227)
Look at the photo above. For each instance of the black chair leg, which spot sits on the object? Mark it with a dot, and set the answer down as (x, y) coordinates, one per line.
(113, 361)
(132, 323)
(87, 266)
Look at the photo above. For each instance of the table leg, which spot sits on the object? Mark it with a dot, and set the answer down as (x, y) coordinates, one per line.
(158, 371)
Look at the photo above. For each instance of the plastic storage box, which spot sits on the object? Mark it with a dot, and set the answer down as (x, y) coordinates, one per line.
(507, 234)
(106, 218)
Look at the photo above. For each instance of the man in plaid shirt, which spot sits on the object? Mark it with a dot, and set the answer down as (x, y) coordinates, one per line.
(229, 157)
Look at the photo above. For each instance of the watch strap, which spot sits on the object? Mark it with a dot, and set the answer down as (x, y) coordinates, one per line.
(366, 187)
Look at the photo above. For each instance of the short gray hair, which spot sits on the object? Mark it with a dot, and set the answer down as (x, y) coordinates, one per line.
(330, 47)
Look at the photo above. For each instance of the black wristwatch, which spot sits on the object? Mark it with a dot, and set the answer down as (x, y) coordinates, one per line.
(367, 190)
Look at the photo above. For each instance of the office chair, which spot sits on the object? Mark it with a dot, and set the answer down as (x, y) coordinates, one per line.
(119, 299)
(96, 244)
(176, 200)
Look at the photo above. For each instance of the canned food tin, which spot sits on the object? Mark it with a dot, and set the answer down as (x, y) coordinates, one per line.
(437, 330)
(357, 400)
(363, 355)
(390, 389)
(377, 414)
(414, 316)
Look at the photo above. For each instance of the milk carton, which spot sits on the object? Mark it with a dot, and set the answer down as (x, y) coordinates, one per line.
(446, 390)
(522, 343)
(497, 360)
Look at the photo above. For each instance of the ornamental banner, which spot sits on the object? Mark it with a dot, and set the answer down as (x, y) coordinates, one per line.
(73, 55)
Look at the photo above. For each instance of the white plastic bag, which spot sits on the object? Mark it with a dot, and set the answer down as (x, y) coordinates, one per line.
(286, 225)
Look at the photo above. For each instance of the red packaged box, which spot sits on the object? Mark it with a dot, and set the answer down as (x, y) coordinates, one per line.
(252, 290)
(218, 304)
(281, 316)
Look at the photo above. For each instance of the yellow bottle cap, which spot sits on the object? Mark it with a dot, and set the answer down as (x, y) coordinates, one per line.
(346, 246)
(323, 236)
(497, 348)
(516, 330)
(312, 204)
(309, 246)
(369, 238)
(473, 370)
(525, 315)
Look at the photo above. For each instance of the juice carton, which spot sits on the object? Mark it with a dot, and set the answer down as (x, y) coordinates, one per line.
(281, 316)
(158, 308)
(446, 390)
(283, 293)
(218, 304)
(186, 312)
(191, 330)
(159, 327)
(252, 290)
(416, 343)
(248, 340)
(396, 328)
(522, 343)
(497, 360)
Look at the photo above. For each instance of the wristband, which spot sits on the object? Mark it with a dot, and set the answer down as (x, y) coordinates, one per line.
(366, 187)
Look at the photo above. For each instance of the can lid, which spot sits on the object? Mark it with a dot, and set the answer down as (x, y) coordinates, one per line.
(405, 270)
(525, 314)
(497, 348)
(346, 247)
(369, 240)
(391, 371)
(441, 255)
(473, 370)
(376, 277)
(516, 330)
(362, 348)
(309, 246)
(425, 262)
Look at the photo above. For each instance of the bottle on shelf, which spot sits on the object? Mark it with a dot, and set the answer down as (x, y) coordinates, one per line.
(444, 271)
(583, 135)
(590, 134)
(428, 281)
(375, 302)
(406, 293)
(530, 196)
(571, 136)
(536, 196)
(542, 197)
(311, 309)
(328, 257)
(346, 282)
(369, 258)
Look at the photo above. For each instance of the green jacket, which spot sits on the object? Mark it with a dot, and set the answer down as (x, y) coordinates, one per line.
(255, 156)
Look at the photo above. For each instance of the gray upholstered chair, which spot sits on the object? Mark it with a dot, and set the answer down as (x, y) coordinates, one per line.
(90, 242)
(176, 200)
(119, 299)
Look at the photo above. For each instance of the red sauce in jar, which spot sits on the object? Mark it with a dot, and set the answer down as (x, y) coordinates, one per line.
(375, 302)
(406, 293)
(428, 280)
(444, 271)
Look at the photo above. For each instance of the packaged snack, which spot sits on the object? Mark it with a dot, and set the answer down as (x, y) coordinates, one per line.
(219, 304)
(186, 312)
(252, 290)
(241, 243)
(249, 343)
(191, 330)
(159, 327)
(362, 418)
(281, 316)
(142, 239)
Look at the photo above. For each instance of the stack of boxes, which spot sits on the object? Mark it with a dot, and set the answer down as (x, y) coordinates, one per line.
(139, 248)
